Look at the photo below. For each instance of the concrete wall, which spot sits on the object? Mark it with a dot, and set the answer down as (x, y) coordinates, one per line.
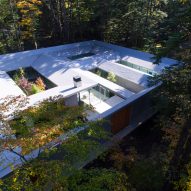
(140, 109)
(129, 85)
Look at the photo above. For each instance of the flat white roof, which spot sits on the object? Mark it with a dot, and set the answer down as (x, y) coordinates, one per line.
(66, 87)
(55, 65)
(103, 52)
(138, 57)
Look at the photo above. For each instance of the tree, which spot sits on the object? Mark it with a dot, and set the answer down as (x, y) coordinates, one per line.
(49, 176)
(99, 179)
(174, 32)
(9, 28)
(34, 128)
(30, 12)
(174, 97)
(133, 23)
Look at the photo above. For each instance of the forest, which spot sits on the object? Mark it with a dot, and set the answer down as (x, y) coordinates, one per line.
(155, 157)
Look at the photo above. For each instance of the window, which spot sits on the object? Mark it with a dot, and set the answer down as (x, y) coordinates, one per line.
(137, 67)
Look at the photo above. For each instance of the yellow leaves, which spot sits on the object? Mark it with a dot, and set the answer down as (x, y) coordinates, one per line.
(36, 2)
(67, 5)
(50, 119)
(183, 1)
(28, 4)
(26, 21)
(90, 132)
(30, 10)
(26, 34)
(40, 83)
(38, 12)
(41, 136)
(158, 46)
(23, 11)
(14, 179)
(22, 4)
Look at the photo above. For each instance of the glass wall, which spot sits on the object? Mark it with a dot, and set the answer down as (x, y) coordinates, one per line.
(131, 86)
(95, 95)
(137, 67)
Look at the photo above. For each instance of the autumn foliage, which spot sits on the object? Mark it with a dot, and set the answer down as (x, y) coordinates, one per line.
(30, 12)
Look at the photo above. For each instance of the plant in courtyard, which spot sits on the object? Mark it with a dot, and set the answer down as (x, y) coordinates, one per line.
(111, 76)
(20, 74)
(29, 87)
(25, 85)
(35, 89)
(98, 73)
(40, 84)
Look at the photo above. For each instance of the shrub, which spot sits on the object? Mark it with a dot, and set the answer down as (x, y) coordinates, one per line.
(40, 84)
(35, 89)
(147, 175)
(111, 76)
(28, 87)
(99, 179)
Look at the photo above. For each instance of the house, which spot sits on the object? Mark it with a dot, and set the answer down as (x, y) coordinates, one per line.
(112, 79)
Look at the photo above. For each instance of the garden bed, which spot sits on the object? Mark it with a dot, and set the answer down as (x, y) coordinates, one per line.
(39, 125)
(30, 80)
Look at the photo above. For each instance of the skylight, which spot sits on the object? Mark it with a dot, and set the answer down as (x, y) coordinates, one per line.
(79, 56)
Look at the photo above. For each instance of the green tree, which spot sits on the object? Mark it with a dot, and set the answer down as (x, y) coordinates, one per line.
(56, 167)
(99, 179)
(9, 28)
(146, 175)
(174, 96)
(134, 23)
